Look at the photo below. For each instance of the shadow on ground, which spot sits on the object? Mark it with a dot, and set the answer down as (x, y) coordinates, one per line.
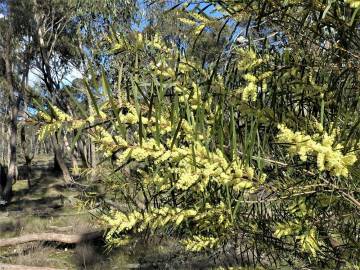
(50, 205)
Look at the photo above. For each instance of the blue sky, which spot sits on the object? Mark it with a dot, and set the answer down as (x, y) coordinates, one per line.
(210, 11)
(74, 73)
(143, 22)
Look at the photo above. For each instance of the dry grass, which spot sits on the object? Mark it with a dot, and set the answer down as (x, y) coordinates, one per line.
(9, 227)
(35, 254)
(36, 210)
(41, 209)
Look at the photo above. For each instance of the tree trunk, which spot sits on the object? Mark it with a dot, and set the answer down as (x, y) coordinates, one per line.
(60, 161)
(27, 146)
(92, 160)
(56, 168)
(82, 153)
(3, 179)
(6, 187)
(47, 147)
(28, 153)
(74, 163)
(3, 144)
(12, 167)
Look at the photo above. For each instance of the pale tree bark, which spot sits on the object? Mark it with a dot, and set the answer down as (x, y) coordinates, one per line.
(92, 154)
(59, 159)
(29, 149)
(83, 154)
(74, 163)
(48, 146)
(47, 36)
(3, 144)
(87, 148)
(27, 145)
(14, 102)
(71, 152)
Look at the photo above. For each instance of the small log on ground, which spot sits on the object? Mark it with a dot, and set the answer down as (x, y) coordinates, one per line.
(51, 237)
(4, 266)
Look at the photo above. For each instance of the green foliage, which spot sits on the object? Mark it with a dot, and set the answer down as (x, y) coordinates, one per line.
(256, 145)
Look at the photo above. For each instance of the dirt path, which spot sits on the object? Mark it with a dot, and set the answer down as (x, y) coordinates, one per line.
(48, 206)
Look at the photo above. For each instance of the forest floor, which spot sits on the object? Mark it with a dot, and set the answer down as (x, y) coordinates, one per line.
(51, 206)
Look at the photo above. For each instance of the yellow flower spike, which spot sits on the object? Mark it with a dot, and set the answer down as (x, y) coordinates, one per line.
(319, 127)
(250, 78)
(329, 157)
(198, 243)
(238, 172)
(250, 172)
(302, 151)
(321, 162)
(242, 184)
(353, 3)
(249, 92)
(262, 178)
(186, 180)
(44, 116)
(60, 115)
(349, 159)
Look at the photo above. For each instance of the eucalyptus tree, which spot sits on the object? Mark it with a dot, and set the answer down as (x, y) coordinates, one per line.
(44, 38)
(16, 47)
(63, 31)
(94, 22)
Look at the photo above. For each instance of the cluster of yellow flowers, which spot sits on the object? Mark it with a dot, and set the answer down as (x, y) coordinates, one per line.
(61, 119)
(249, 59)
(176, 169)
(249, 62)
(209, 217)
(107, 143)
(44, 116)
(250, 91)
(48, 129)
(299, 227)
(329, 155)
(163, 123)
(149, 148)
(353, 3)
(308, 239)
(129, 116)
(195, 174)
(60, 115)
(190, 167)
(199, 243)
(154, 218)
(214, 216)
(287, 229)
(120, 222)
(159, 217)
(53, 124)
